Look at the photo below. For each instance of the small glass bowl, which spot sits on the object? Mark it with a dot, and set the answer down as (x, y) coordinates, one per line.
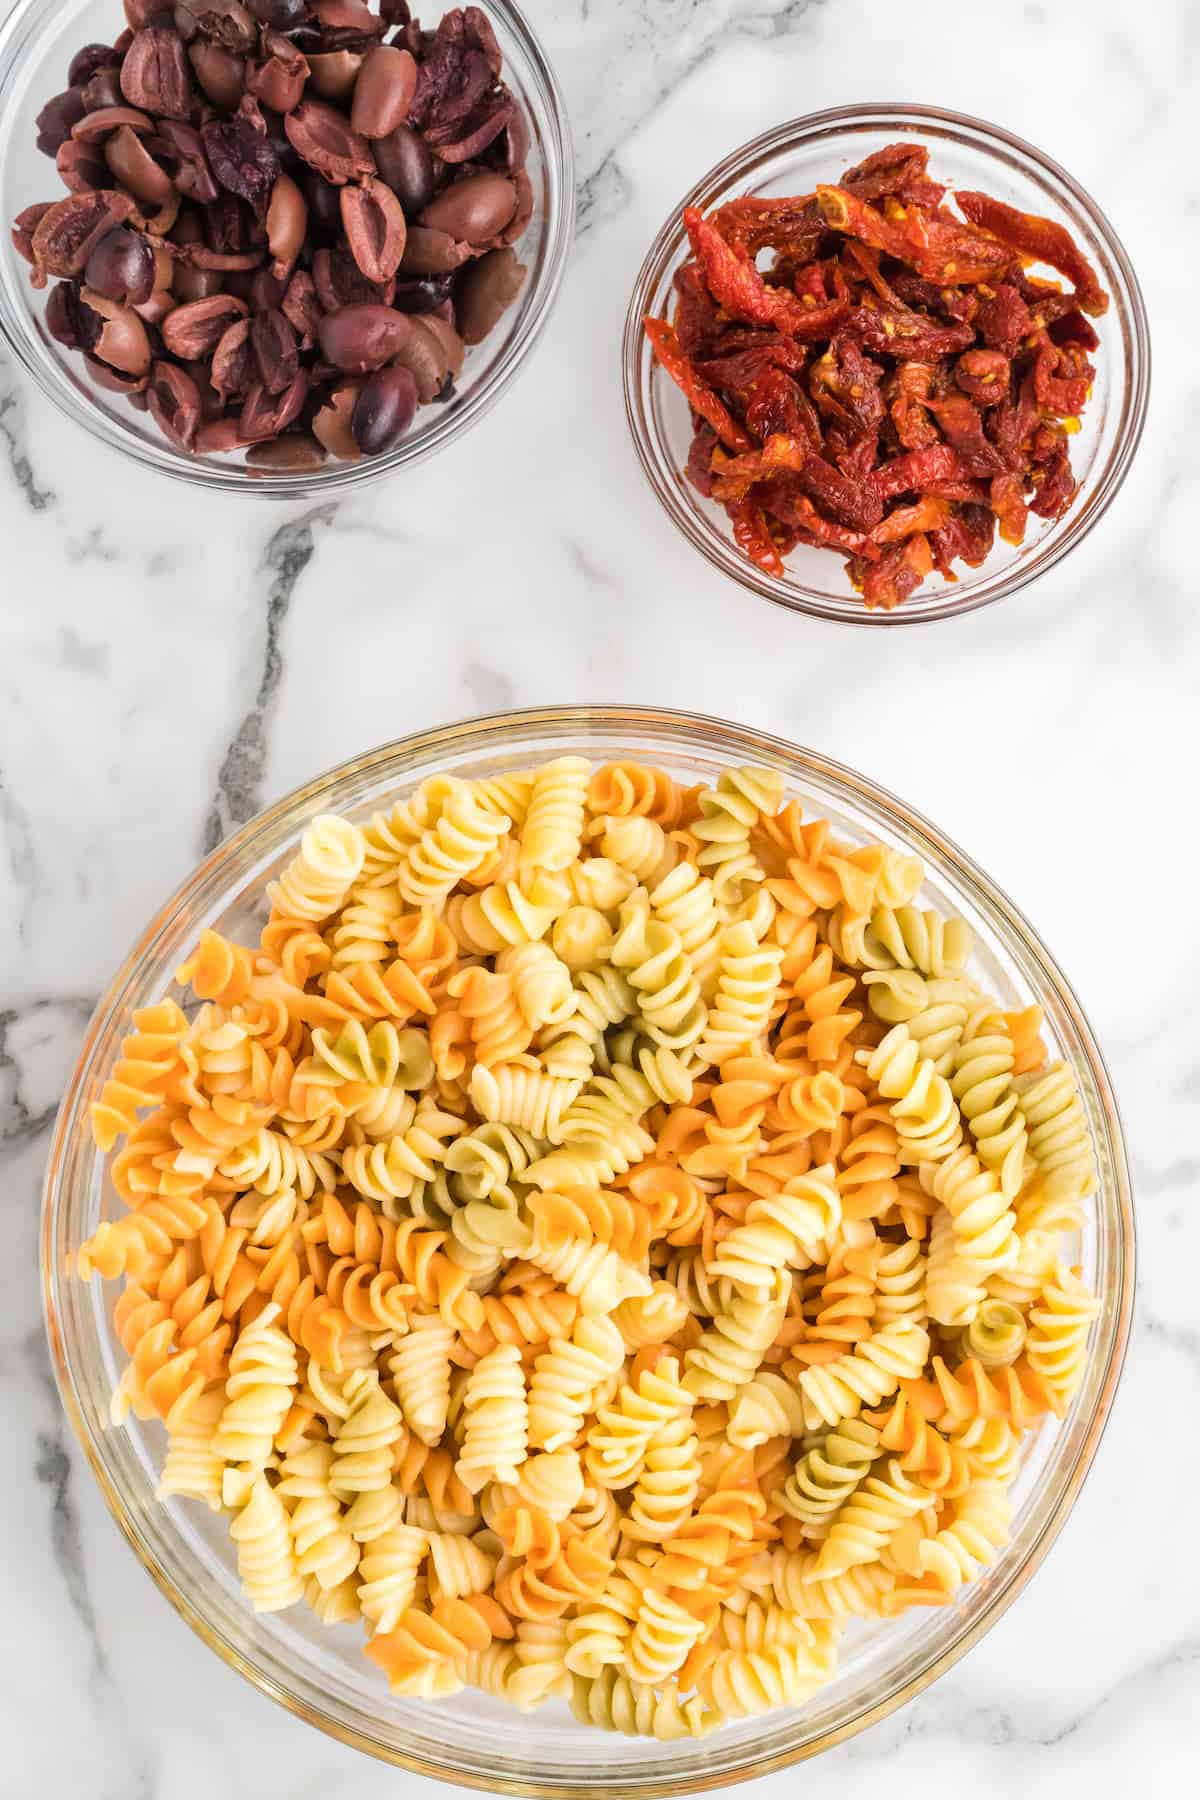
(37, 43)
(964, 153)
(319, 1672)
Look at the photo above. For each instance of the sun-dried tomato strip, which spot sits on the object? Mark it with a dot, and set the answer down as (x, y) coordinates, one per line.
(793, 226)
(895, 331)
(913, 472)
(701, 397)
(736, 284)
(1043, 239)
(926, 514)
(1007, 497)
(937, 248)
(899, 572)
(752, 534)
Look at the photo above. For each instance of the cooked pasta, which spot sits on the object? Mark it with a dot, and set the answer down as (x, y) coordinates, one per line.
(600, 1241)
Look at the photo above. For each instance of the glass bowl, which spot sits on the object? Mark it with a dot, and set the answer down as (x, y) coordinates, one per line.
(319, 1672)
(36, 45)
(965, 153)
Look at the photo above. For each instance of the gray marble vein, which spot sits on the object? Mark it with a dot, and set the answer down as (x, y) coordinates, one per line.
(239, 782)
(12, 437)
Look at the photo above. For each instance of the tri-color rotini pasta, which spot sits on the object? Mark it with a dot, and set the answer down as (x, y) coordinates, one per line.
(600, 1242)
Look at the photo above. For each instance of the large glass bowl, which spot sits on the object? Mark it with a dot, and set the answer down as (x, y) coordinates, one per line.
(320, 1672)
(965, 153)
(37, 42)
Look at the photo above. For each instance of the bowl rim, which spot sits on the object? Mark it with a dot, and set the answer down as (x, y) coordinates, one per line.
(334, 479)
(494, 730)
(637, 368)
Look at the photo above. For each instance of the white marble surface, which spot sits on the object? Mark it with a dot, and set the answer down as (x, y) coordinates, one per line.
(168, 664)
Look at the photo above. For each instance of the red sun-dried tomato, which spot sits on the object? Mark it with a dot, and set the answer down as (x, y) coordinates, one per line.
(873, 372)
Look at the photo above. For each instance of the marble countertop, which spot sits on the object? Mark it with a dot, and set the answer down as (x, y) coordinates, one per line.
(170, 663)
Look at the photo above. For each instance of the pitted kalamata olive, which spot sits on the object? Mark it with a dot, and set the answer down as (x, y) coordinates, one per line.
(294, 454)
(226, 23)
(425, 357)
(155, 309)
(486, 290)
(233, 367)
(524, 210)
(24, 226)
(190, 283)
(57, 119)
(67, 232)
(81, 167)
(114, 381)
(266, 290)
(221, 74)
(383, 92)
(135, 168)
(324, 206)
(276, 353)
(104, 89)
(183, 149)
(432, 252)
(122, 342)
(375, 229)
(69, 320)
(121, 267)
(140, 13)
(364, 337)
(287, 223)
(324, 138)
(89, 61)
(218, 437)
(279, 80)
(352, 17)
(194, 331)
(452, 345)
(154, 74)
(384, 410)
(340, 281)
(242, 160)
(406, 164)
(265, 415)
(422, 296)
(334, 74)
(301, 307)
(107, 119)
(474, 209)
(331, 422)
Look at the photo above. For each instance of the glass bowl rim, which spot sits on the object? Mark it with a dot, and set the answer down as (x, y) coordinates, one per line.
(493, 731)
(332, 478)
(1128, 307)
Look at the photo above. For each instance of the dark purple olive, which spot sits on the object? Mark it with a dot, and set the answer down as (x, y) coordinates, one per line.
(324, 206)
(69, 320)
(103, 91)
(266, 290)
(362, 337)
(57, 119)
(405, 162)
(188, 283)
(121, 267)
(384, 410)
(423, 296)
(295, 453)
(89, 61)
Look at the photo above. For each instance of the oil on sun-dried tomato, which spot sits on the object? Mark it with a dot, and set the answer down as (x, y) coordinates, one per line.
(873, 372)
